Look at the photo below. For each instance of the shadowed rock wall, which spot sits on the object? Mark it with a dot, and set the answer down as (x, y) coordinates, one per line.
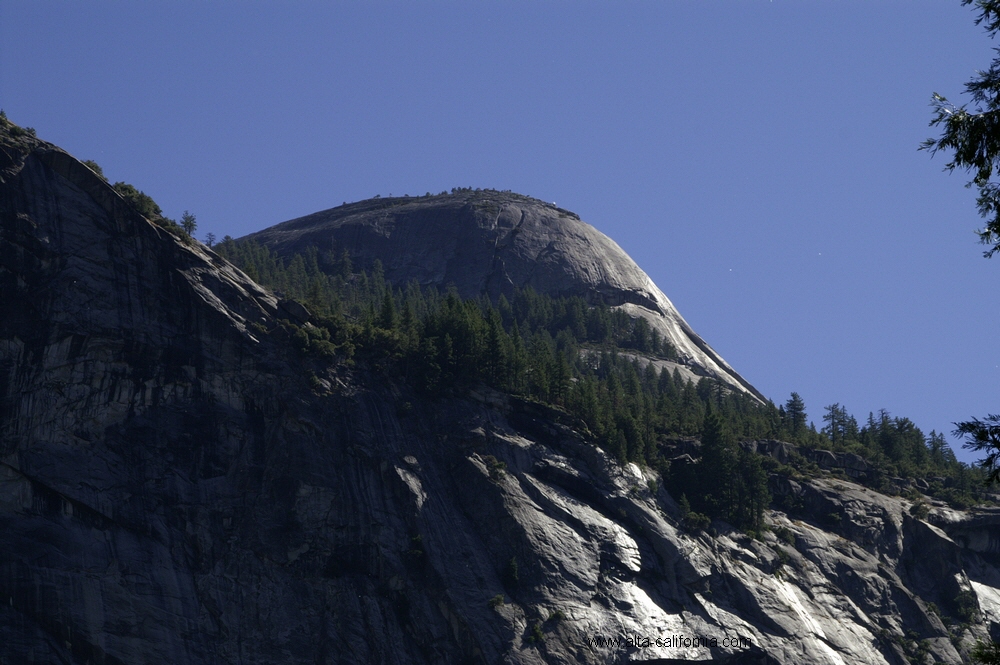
(173, 489)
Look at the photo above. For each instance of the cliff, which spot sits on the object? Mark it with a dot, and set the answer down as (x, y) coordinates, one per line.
(175, 489)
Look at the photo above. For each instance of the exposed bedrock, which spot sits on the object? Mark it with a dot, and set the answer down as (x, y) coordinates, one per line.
(174, 489)
(489, 243)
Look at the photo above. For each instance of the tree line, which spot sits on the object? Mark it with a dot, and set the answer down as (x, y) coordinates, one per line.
(595, 362)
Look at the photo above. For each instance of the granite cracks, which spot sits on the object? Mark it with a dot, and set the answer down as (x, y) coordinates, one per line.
(173, 488)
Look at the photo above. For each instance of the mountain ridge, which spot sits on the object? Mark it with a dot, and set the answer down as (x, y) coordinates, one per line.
(179, 484)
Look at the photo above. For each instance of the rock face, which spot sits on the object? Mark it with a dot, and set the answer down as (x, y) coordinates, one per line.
(173, 489)
(486, 242)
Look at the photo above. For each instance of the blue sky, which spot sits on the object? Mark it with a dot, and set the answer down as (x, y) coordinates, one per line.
(758, 159)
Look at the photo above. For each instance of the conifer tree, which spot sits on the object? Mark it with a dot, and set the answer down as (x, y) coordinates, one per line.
(188, 223)
(795, 415)
(717, 467)
(754, 494)
(388, 318)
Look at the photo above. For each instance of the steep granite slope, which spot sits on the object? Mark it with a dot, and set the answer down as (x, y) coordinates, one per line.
(486, 242)
(173, 489)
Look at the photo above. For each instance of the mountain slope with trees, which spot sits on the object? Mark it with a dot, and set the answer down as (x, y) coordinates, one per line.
(488, 243)
(593, 360)
(196, 469)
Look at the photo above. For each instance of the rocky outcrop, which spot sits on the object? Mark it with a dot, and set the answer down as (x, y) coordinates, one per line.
(486, 242)
(850, 464)
(175, 489)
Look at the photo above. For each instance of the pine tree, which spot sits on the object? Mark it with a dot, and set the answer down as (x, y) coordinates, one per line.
(717, 467)
(838, 421)
(497, 351)
(188, 223)
(795, 415)
(388, 318)
(754, 493)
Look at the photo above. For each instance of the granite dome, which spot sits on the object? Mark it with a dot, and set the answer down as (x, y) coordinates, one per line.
(486, 242)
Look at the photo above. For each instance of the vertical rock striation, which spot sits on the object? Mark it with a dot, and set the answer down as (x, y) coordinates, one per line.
(173, 489)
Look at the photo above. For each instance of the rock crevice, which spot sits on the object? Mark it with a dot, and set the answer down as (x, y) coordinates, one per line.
(174, 489)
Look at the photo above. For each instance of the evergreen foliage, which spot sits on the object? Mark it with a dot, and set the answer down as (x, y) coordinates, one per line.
(973, 135)
(973, 138)
(142, 202)
(15, 131)
(95, 167)
(595, 363)
(795, 417)
(147, 207)
(984, 436)
(986, 653)
(728, 483)
(188, 223)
